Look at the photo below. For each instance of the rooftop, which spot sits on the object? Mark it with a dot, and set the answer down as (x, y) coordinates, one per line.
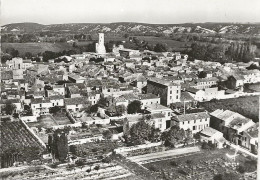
(192, 116)
(208, 131)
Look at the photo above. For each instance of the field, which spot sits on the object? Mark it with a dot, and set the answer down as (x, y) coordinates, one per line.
(194, 166)
(169, 42)
(36, 48)
(246, 106)
(47, 121)
(15, 135)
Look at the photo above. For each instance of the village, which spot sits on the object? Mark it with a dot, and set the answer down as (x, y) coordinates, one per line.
(125, 114)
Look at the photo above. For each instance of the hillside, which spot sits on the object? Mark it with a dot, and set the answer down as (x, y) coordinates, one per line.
(123, 27)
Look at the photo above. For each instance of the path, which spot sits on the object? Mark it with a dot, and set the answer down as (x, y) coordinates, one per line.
(140, 171)
(164, 154)
(243, 150)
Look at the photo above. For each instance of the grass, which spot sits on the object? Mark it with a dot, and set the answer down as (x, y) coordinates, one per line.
(247, 106)
(202, 166)
(36, 48)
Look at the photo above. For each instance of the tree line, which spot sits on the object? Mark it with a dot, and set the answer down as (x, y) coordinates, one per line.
(236, 51)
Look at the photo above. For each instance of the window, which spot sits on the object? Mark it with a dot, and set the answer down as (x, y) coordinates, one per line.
(201, 120)
(177, 91)
(170, 92)
(160, 126)
(169, 113)
(182, 122)
(188, 122)
(194, 121)
(170, 97)
(177, 97)
(194, 127)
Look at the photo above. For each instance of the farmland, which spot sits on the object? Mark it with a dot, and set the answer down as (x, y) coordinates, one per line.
(246, 106)
(17, 133)
(36, 48)
(194, 167)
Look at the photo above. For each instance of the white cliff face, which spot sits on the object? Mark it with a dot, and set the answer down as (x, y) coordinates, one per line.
(100, 47)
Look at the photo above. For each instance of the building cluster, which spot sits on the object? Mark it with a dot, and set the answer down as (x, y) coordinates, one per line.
(160, 81)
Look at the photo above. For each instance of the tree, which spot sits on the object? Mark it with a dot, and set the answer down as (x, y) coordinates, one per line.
(80, 163)
(28, 55)
(226, 176)
(120, 110)
(160, 47)
(8, 108)
(55, 109)
(97, 167)
(58, 143)
(102, 102)
(173, 136)
(134, 107)
(139, 133)
(126, 36)
(94, 108)
(107, 134)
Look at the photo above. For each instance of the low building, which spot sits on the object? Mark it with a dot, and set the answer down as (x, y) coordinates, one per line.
(40, 106)
(212, 135)
(194, 121)
(230, 123)
(158, 108)
(76, 104)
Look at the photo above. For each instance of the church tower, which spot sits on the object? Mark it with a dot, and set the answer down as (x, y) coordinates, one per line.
(100, 47)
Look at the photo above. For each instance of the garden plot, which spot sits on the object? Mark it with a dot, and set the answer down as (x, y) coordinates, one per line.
(203, 166)
(141, 159)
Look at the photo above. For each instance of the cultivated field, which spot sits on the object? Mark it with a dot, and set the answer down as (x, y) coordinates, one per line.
(36, 48)
(201, 166)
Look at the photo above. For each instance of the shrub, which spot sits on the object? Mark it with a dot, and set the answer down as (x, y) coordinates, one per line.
(181, 171)
(97, 167)
(153, 168)
(241, 168)
(174, 163)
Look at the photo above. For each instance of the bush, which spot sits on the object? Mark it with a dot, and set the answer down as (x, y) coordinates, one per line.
(241, 168)
(153, 168)
(97, 167)
(174, 163)
(181, 171)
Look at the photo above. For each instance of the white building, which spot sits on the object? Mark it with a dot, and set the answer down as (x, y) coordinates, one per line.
(194, 121)
(100, 47)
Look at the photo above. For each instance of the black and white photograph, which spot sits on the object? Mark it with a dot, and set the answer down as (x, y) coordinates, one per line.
(130, 89)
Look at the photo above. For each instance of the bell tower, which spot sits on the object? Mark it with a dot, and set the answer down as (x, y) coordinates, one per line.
(100, 47)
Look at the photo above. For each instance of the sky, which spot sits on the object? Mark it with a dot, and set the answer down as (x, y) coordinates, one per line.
(145, 11)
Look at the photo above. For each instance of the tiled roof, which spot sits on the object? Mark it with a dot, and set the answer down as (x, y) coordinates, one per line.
(185, 96)
(6, 75)
(55, 97)
(157, 116)
(147, 96)
(77, 100)
(151, 107)
(193, 116)
(208, 131)
(40, 100)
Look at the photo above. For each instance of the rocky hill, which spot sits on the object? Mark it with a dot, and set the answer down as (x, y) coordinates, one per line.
(122, 27)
